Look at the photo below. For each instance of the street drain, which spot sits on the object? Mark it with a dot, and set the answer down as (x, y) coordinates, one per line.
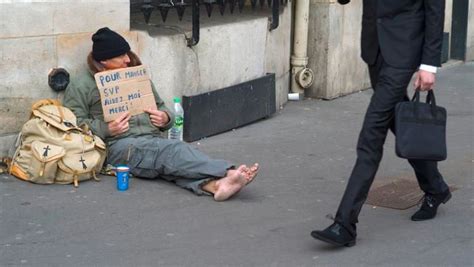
(399, 194)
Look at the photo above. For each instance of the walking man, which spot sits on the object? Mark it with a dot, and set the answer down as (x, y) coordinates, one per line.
(399, 38)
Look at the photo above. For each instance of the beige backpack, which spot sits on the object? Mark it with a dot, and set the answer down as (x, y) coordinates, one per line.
(51, 148)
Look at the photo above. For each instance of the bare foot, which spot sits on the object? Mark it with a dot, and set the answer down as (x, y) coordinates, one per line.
(231, 184)
(251, 173)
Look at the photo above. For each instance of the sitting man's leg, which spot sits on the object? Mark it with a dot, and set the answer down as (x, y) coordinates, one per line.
(221, 188)
(232, 183)
(175, 161)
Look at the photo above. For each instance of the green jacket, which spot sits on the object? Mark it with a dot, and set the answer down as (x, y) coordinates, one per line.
(83, 98)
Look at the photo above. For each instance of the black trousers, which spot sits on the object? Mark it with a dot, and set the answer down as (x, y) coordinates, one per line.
(390, 87)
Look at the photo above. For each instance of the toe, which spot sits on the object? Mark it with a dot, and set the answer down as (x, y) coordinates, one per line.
(242, 168)
(255, 167)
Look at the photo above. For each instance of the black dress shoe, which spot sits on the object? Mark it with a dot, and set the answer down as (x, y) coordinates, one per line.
(430, 206)
(337, 235)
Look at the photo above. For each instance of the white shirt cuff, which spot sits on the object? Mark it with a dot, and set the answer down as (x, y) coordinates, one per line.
(429, 68)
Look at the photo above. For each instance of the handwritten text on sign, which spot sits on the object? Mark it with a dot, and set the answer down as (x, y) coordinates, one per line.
(122, 90)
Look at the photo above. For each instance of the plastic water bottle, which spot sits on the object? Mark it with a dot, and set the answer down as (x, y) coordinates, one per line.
(176, 132)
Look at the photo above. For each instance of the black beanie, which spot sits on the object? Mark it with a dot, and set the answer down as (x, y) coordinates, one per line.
(108, 44)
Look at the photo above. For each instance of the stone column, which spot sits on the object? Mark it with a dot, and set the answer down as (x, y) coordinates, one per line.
(334, 49)
(470, 33)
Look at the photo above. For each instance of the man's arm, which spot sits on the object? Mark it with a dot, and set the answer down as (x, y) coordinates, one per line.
(428, 68)
(77, 100)
(160, 104)
(431, 53)
(434, 24)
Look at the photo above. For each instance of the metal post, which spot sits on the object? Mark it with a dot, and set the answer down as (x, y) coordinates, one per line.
(195, 34)
(275, 15)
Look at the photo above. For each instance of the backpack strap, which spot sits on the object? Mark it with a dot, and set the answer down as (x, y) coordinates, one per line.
(95, 176)
(61, 113)
(13, 168)
(18, 172)
(75, 180)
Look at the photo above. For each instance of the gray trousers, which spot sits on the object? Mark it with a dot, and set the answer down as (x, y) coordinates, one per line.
(153, 157)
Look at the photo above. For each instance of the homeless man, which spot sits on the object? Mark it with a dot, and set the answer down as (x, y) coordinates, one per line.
(136, 139)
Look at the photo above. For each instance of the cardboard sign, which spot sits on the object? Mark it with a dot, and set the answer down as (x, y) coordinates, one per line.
(122, 90)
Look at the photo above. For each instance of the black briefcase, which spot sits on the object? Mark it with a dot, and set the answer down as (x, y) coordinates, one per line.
(420, 129)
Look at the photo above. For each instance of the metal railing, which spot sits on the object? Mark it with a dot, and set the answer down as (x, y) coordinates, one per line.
(147, 7)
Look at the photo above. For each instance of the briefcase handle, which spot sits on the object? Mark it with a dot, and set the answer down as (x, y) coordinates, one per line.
(430, 99)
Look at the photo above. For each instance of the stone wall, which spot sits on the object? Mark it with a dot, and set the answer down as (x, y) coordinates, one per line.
(232, 49)
(225, 55)
(38, 36)
(470, 33)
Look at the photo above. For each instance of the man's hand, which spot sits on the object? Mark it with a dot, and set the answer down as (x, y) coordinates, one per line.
(158, 118)
(119, 125)
(424, 80)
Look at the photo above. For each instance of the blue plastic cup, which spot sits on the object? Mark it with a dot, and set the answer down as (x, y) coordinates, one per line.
(123, 175)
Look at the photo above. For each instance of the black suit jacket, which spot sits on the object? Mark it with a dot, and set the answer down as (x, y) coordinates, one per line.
(408, 32)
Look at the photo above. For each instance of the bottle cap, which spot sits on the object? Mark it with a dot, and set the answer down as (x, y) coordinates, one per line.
(177, 100)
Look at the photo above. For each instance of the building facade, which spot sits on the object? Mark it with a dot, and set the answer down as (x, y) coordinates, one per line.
(36, 36)
(239, 46)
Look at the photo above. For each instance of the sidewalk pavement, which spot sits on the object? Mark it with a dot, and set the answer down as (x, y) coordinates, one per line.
(306, 152)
